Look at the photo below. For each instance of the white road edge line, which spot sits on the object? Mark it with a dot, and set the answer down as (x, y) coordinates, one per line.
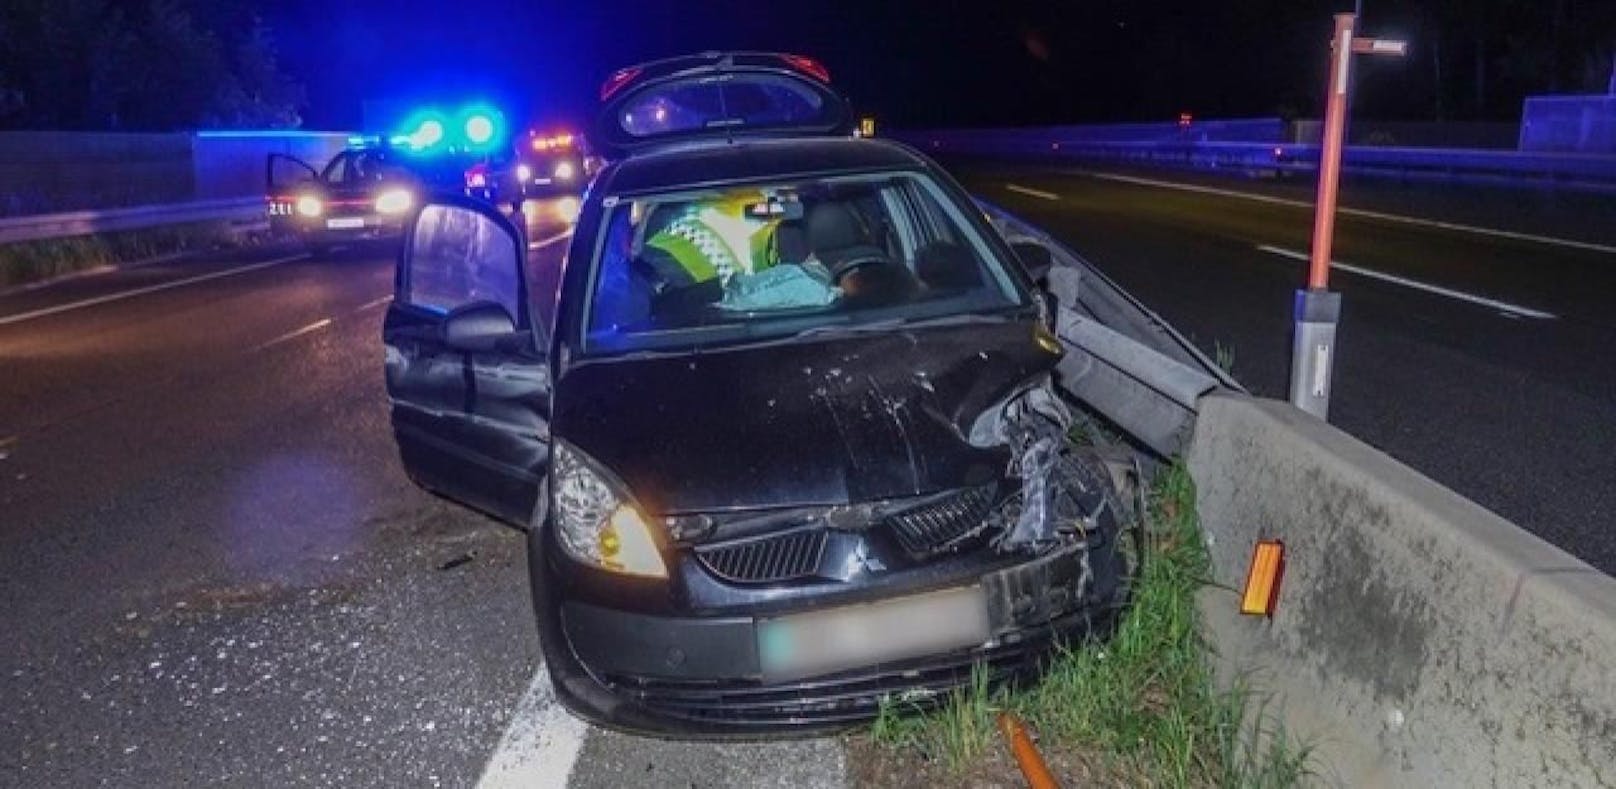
(1587, 246)
(129, 294)
(1501, 306)
(1032, 192)
(544, 242)
(540, 744)
(374, 303)
(295, 333)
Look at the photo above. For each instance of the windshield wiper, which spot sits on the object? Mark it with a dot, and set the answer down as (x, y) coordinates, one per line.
(891, 324)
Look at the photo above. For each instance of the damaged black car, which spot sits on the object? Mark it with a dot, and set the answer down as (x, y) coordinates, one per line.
(782, 426)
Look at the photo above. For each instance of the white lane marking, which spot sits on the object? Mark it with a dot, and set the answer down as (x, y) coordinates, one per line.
(1017, 188)
(539, 745)
(295, 333)
(544, 242)
(1501, 306)
(374, 303)
(1587, 246)
(129, 294)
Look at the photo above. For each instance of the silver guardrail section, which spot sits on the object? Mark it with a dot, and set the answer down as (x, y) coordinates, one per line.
(83, 223)
(1589, 172)
(1121, 359)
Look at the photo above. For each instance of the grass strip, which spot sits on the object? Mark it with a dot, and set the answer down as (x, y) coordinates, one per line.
(1139, 709)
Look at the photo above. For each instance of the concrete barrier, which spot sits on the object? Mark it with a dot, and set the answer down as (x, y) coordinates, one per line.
(60, 172)
(1419, 639)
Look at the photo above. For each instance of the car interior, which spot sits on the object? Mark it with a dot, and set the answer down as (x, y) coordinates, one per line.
(810, 248)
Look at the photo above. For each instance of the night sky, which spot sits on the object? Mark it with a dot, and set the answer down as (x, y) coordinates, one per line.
(910, 63)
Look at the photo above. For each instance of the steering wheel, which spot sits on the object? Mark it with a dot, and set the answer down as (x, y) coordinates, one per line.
(854, 264)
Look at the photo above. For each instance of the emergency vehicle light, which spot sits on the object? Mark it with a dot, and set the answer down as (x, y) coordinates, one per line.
(616, 81)
(809, 66)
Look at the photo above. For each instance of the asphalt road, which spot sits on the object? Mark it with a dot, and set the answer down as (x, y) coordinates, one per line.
(1512, 404)
(213, 571)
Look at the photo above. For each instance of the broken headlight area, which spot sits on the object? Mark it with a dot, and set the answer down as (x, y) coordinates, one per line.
(595, 521)
(1064, 492)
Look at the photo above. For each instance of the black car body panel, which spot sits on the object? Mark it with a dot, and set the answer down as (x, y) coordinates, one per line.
(695, 164)
(824, 422)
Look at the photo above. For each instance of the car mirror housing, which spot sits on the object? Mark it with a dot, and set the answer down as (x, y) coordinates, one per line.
(1036, 259)
(478, 326)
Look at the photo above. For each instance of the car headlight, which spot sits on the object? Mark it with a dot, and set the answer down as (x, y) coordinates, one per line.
(394, 201)
(309, 205)
(524, 173)
(596, 524)
(565, 171)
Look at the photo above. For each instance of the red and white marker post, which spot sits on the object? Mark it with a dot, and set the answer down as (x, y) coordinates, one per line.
(1317, 308)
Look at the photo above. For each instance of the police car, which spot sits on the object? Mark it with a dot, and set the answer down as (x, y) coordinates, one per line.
(364, 192)
(783, 436)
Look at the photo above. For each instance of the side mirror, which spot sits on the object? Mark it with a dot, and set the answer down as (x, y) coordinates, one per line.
(1035, 258)
(478, 326)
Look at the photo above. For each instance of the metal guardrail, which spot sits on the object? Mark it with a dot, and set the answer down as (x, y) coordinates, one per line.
(83, 223)
(1571, 171)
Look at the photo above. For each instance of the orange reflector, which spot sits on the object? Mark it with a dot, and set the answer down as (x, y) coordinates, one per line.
(1262, 581)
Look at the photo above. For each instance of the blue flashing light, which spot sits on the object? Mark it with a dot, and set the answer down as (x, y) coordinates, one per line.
(482, 127)
(479, 129)
(427, 134)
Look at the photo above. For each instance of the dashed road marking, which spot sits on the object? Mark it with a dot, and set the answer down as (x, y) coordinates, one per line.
(540, 744)
(1502, 306)
(1032, 192)
(374, 303)
(129, 294)
(1586, 246)
(544, 242)
(295, 333)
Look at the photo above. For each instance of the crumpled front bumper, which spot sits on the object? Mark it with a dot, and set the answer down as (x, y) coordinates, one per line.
(701, 677)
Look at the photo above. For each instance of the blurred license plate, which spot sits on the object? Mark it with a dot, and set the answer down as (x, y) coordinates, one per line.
(345, 222)
(821, 642)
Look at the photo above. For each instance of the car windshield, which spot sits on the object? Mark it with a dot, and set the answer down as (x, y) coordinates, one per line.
(787, 259)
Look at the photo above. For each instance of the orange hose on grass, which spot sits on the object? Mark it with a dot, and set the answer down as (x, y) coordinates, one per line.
(1028, 759)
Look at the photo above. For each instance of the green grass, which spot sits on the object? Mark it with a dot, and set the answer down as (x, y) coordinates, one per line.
(1225, 358)
(32, 261)
(1142, 704)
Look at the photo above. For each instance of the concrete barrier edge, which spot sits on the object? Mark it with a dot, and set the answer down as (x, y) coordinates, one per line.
(1419, 639)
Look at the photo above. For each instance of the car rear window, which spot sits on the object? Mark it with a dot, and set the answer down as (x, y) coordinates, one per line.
(741, 101)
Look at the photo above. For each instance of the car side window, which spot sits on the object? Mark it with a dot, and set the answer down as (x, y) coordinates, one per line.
(458, 260)
(337, 171)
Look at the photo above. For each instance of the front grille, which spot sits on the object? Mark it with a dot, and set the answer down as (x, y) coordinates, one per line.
(852, 696)
(942, 524)
(780, 557)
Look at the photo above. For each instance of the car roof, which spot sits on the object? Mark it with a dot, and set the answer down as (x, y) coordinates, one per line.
(715, 162)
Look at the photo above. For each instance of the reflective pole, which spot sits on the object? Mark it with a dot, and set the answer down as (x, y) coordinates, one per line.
(1317, 309)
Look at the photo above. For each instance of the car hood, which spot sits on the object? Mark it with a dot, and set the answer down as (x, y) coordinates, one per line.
(834, 421)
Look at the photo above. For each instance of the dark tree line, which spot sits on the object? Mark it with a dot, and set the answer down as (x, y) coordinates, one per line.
(141, 65)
